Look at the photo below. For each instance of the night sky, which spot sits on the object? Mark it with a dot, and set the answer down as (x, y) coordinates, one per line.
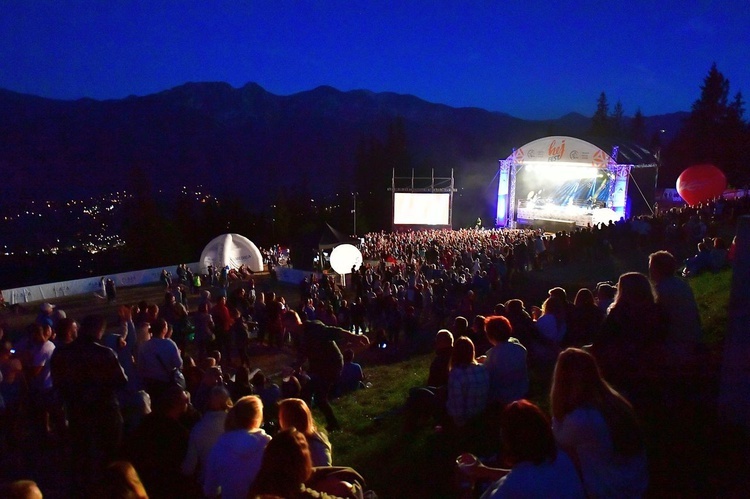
(531, 59)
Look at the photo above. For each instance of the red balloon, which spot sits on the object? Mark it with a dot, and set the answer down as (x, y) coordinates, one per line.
(701, 183)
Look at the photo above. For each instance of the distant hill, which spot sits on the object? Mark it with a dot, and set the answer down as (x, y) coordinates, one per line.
(248, 142)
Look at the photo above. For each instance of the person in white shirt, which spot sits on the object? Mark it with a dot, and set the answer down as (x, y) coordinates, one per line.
(235, 459)
(206, 433)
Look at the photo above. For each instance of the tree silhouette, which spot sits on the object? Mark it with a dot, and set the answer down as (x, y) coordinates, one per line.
(600, 124)
(715, 132)
(638, 128)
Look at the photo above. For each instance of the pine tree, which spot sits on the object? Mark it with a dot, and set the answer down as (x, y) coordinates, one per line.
(600, 120)
(714, 133)
(638, 128)
(617, 120)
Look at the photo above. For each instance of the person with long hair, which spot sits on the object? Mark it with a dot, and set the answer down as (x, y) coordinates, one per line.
(585, 319)
(629, 345)
(537, 468)
(468, 384)
(294, 412)
(121, 481)
(235, 459)
(597, 426)
(287, 471)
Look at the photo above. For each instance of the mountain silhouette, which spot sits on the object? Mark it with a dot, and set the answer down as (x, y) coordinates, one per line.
(247, 142)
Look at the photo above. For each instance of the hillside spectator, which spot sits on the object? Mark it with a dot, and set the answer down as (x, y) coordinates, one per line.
(204, 329)
(677, 302)
(605, 296)
(598, 428)
(468, 384)
(287, 471)
(352, 377)
(87, 376)
(629, 345)
(521, 322)
(269, 393)
(242, 385)
(234, 461)
(290, 384)
(537, 467)
(121, 481)
(585, 319)
(159, 444)
(294, 413)
(111, 290)
(206, 433)
(212, 377)
(505, 363)
(719, 254)
(36, 365)
(319, 347)
(222, 325)
(158, 358)
(240, 338)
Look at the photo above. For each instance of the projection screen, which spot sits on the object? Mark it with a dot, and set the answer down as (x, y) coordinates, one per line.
(421, 208)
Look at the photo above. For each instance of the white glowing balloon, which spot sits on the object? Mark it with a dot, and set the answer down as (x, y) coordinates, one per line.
(605, 215)
(344, 257)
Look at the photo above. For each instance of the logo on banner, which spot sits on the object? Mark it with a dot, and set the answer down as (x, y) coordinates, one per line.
(600, 159)
(555, 152)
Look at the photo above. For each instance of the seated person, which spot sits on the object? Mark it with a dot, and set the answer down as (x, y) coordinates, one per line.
(699, 262)
(352, 376)
(536, 467)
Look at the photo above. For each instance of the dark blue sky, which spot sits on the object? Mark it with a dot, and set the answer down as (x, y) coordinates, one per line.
(532, 59)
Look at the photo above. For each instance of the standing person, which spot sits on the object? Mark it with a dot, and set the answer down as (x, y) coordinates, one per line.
(206, 433)
(88, 376)
(223, 321)
(235, 459)
(597, 427)
(111, 290)
(157, 360)
(204, 329)
(36, 365)
(159, 444)
(319, 347)
(675, 296)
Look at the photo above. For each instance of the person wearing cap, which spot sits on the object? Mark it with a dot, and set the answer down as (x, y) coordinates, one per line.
(45, 315)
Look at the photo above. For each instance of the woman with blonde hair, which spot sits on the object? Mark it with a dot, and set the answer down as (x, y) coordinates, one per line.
(597, 427)
(294, 412)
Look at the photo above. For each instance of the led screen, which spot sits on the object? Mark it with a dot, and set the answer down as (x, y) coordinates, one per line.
(421, 209)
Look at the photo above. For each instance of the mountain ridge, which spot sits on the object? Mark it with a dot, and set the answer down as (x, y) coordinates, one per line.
(236, 139)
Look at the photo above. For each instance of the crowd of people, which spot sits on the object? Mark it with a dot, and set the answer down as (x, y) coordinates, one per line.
(171, 405)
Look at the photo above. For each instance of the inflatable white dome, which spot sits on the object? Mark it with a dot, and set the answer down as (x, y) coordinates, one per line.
(233, 250)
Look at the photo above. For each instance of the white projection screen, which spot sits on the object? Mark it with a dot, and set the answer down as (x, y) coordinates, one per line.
(421, 208)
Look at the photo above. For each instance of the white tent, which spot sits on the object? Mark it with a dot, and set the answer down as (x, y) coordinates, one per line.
(233, 250)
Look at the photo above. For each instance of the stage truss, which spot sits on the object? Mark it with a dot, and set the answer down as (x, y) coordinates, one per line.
(611, 203)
